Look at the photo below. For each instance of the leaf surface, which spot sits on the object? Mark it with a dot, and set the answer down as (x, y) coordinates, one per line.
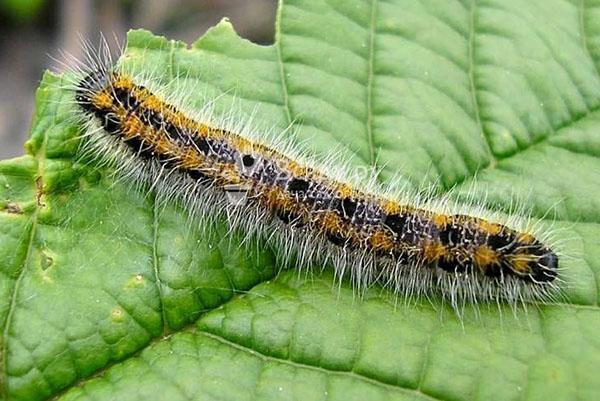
(105, 294)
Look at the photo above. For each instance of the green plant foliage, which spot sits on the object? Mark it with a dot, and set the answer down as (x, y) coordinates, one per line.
(105, 294)
(22, 10)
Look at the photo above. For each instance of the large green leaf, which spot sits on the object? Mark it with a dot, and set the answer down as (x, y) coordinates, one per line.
(106, 295)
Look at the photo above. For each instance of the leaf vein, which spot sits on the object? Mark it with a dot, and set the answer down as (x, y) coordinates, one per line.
(15, 292)
(471, 72)
(358, 376)
(583, 33)
(283, 80)
(370, 77)
(155, 266)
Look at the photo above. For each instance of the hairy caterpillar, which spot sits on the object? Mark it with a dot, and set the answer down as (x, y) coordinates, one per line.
(263, 185)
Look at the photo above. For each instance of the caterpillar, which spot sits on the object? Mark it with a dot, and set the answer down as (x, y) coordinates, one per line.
(308, 208)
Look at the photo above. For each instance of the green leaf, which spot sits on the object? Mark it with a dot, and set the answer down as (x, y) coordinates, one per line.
(106, 295)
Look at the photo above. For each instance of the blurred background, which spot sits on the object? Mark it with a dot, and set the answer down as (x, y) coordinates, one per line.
(33, 30)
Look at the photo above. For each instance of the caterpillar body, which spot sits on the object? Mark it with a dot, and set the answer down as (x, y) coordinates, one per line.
(263, 186)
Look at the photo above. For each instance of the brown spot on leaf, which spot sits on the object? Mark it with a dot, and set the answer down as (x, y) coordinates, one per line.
(39, 194)
(13, 208)
(46, 260)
